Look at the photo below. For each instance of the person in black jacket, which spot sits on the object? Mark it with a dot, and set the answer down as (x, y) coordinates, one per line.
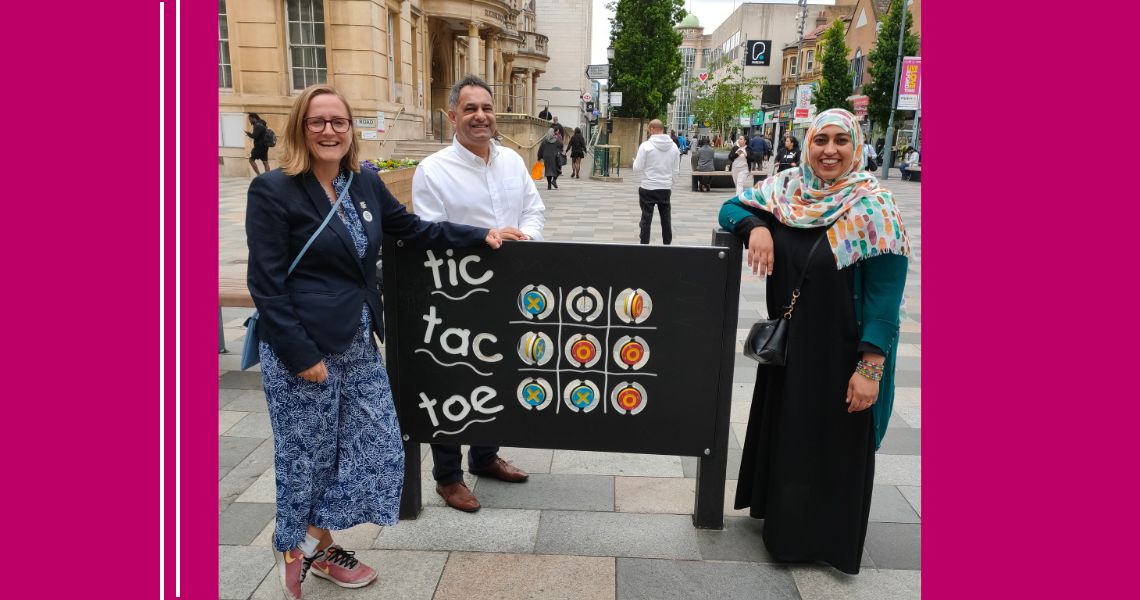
(577, 152)
(550, 153)
(789, 156)
(338, 453)
(260, 150)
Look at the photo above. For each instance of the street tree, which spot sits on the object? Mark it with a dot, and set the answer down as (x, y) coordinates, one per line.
(835, 85)
(721, 99)
(883, 59)
(647, 66)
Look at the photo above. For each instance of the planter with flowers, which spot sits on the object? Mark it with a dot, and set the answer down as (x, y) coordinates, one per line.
(396, 175)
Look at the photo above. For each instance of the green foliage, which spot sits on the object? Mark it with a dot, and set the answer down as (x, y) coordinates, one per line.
(882, 61)
(835, 85)
(721, 99)
(647, 64)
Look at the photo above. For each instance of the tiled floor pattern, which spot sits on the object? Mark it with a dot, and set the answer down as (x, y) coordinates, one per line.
(587, 525)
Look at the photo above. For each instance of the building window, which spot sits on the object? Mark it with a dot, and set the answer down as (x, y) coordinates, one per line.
(791, 66)
(393, 64)
(306, 41)
(809, 62)
(225, 69)
(857, 69)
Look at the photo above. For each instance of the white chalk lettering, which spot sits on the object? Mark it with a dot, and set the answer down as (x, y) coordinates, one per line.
(434, 263)
(464, 336)
(467, 276)
(479, 352)
(429, 404)
(479, 399)
(432, 321)
(452, 401)
(456, 270)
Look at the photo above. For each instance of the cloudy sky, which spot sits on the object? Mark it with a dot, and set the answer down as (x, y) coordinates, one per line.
(711, 14)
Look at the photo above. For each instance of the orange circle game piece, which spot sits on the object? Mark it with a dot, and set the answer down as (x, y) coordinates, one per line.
(583, 350)
(631, 353)
(636, 306)
(629, 398)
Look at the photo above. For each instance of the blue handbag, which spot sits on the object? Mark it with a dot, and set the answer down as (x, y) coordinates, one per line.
(249, 353)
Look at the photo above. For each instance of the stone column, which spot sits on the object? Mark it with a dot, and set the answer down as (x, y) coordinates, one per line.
(490, 73)
(533, 92)
(473, 49)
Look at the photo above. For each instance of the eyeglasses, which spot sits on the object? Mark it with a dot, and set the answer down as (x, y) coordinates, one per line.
(317, 124)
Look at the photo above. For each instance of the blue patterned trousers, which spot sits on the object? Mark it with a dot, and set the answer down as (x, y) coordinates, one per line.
(337, 451)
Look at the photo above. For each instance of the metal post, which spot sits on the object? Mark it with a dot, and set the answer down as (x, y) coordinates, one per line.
(708, 507)
(887, 147)
(799, 67)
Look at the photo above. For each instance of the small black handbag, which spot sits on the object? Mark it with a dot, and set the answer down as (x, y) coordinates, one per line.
(767, 341)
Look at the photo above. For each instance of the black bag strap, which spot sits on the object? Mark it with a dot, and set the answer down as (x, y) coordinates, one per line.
(803, 277)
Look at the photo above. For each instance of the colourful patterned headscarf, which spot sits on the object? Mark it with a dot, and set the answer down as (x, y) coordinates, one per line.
(861, 217)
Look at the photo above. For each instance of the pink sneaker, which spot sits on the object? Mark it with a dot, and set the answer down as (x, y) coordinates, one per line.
(342, 568)
(292, 567)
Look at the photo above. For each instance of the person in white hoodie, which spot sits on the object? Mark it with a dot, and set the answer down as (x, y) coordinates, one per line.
(659, 161)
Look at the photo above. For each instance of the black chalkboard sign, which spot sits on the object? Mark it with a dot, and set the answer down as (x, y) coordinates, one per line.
(560, 345)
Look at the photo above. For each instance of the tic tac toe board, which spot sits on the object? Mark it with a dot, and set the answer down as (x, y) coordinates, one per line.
(580, 346)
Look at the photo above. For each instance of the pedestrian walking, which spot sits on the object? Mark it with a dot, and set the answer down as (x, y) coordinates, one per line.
(577, 152)
(705, 162)
(550, 153)
(258, 130)
(478, 183)
(658, 160)
(738, 164)
(789, 156)
(759, 151)
(870, 155)
(338, 454)
(809, 450)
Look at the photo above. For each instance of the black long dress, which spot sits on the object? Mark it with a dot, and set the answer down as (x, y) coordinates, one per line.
(808, 465)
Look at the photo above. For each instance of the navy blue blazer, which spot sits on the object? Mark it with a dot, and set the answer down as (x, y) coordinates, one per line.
(316, 310)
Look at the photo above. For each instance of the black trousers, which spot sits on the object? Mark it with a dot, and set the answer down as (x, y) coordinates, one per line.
(648, 198)
(447, 461)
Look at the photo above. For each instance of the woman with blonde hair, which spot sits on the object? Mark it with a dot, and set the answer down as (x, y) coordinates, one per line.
(314, 229)
(809, 452)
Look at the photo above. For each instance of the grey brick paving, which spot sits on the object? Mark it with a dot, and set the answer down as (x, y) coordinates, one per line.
(561, 533)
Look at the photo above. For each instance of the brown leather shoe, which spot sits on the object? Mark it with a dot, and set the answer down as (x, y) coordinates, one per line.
(503, 471)
(457, 496)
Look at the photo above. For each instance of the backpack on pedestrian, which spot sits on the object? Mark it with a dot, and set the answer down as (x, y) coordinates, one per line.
(270, 138)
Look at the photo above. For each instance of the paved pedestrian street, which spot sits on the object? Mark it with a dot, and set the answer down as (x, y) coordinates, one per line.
(588, 525)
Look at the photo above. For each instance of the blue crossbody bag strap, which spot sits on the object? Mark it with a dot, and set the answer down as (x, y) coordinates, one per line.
(332, 211)
(249, 354)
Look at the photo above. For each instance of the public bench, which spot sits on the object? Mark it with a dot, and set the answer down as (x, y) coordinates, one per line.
(724, 178)
(914, 173)
(232, 293)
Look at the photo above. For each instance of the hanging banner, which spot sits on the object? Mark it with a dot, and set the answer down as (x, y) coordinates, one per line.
(859, 103)
(910, 83)
(805, 110)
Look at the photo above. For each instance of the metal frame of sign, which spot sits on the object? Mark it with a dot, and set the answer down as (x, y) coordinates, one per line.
(712, 463)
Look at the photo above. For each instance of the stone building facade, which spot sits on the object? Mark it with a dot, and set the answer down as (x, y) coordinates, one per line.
(394, 60)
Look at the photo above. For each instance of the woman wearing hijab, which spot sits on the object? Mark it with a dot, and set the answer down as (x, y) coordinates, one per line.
(738, 163)
(549, 152)
(815, 423)
(789, 156)
(314, 229)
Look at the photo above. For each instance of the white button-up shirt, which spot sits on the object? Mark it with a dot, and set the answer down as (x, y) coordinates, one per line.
(456, 185)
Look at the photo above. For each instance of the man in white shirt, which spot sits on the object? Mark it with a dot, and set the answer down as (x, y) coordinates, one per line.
(475, 182)
(659, 160)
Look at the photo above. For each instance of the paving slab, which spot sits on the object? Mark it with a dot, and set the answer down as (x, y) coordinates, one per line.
(226, 419)
(901, 441)
(444, 528)
(401, 575)
(550, 491)
(889, 506)
(233, 449)
(544, 577)
(253, 425)
(895, 545)
(913, 495)
(244, 473)
(617, 534)
(576, 462)
(240, 570)
(821, 583)
(248, 401)
(641, 579)
(240, 380)
(240, 523)
(739, 541)
(893, 469)
(912, 415)
(263, 489)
